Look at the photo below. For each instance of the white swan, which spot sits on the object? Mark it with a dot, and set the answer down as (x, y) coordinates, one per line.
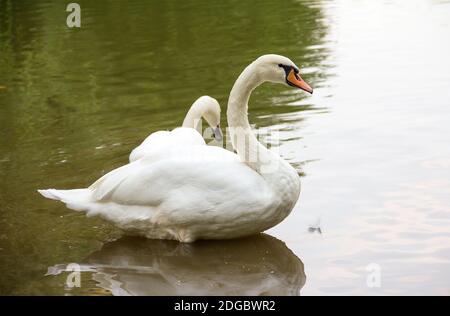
(187, 135)
(202, 192)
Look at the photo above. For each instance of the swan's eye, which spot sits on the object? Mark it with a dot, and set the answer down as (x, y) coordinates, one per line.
(287, 69)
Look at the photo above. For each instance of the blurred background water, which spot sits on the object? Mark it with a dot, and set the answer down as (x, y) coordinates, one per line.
(372, 143)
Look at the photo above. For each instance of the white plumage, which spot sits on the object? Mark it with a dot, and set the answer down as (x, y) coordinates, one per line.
(187, 135)
(196, 191)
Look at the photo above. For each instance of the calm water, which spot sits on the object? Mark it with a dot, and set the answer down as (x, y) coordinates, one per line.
(372, 143)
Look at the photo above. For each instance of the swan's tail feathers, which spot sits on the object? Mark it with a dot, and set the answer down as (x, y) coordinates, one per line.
(77, 199)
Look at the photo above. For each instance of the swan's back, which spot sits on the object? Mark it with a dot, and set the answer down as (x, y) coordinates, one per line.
(161, 140)
(193, 192)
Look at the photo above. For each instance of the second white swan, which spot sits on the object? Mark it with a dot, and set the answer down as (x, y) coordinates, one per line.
(202, 192)
(189, 134)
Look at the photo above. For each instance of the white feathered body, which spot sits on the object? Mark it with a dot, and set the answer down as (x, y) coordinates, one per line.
(187, 193)
(176, 187)
(161, 140)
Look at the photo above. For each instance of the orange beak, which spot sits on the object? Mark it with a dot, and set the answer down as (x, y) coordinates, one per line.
(295, 80)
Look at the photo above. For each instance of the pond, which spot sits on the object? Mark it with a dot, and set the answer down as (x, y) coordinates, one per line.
(372, 144)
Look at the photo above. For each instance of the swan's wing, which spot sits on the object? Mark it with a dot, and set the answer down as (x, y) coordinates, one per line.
(189, 183)
(154, 140)
(187, 136)
(161, 140)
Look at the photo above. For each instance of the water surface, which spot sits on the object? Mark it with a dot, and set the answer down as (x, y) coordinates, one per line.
(372, 143)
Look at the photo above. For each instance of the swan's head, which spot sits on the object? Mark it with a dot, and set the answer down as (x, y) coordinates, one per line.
(209, 109)
(280, 69)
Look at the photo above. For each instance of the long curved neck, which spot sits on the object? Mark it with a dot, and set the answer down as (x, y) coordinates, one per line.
(244, 141)
(193, 116)
(279, 175)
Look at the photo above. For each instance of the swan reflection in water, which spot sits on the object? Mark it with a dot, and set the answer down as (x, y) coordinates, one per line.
(256, 265)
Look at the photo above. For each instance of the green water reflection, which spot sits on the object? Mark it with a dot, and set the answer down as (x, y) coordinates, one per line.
(74, 102)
